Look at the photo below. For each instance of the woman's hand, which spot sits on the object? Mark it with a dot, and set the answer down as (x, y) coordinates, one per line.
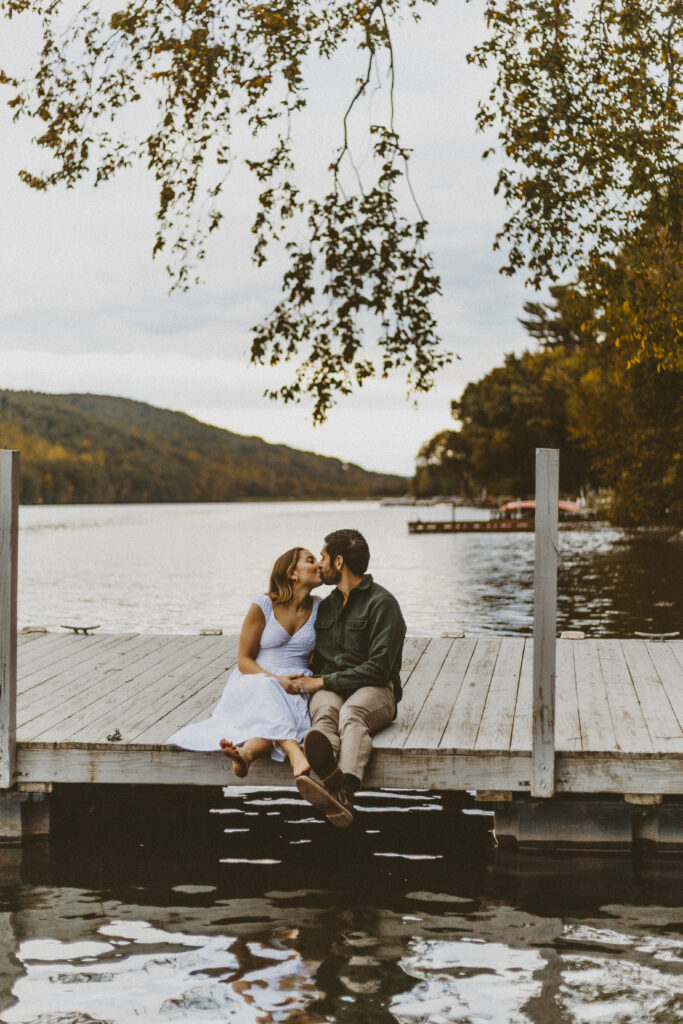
(309, 684)
(288, 683)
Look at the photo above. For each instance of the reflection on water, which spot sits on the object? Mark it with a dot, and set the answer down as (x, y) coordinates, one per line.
(178, 568)
(192, 918)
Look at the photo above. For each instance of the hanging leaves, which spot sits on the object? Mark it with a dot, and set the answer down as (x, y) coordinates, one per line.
(586, 111)
(166, 82)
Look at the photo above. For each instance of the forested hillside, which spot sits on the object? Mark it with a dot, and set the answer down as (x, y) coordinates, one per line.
(95, 448)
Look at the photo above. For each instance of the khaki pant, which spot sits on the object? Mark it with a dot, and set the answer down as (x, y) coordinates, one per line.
(350, 722)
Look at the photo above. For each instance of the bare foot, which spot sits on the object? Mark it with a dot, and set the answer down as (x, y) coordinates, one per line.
(240, 765)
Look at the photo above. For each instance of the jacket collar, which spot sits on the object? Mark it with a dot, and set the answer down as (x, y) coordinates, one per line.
(364, 584)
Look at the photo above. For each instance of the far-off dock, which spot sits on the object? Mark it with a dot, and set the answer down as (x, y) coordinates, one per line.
(576, 741)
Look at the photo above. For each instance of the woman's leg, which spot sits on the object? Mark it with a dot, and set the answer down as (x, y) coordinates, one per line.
(296, 756)
(244, 755)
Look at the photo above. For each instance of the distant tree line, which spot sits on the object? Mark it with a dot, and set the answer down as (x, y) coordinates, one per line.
(618, 423)
(95, 448)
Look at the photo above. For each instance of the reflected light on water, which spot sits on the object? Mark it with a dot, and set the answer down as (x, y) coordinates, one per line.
(170, 920)
(181, 568)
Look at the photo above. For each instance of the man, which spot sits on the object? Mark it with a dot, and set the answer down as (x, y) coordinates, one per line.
(357, 683)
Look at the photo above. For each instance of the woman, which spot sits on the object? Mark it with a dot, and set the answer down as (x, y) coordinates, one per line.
(261, 707)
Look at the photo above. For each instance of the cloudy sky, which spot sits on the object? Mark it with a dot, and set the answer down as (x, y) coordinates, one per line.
(84, 308)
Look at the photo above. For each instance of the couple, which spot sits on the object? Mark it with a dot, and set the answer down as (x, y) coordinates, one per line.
(274, 700)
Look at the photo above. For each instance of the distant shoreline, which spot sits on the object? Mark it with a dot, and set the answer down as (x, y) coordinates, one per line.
(202, 501)
(100, 449)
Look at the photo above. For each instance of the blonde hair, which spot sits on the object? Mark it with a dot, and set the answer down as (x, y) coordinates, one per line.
(280, 589)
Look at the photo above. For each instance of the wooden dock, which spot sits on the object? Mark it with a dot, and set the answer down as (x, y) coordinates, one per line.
(465, 721)
(487, 525)
(471, 526)
(576, 741)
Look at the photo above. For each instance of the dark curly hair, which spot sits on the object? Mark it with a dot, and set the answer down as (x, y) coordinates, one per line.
(353, 548)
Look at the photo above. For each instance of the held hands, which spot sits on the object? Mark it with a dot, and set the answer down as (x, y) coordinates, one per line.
(300, 684)
(309, 684)
(289, 683)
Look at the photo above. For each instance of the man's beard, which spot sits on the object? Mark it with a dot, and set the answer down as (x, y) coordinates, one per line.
(331, 577)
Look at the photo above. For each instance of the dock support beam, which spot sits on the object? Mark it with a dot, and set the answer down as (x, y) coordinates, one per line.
(9, 537)
(545, 623)
(600, 821)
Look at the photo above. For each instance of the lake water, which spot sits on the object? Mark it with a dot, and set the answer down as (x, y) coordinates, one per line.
(245, 907)
(179, 568)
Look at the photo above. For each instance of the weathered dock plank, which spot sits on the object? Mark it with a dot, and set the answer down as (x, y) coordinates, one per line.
(193, 696)
(413, 649)
(179, 663)
(497, 719)
(630, 727)
(197, 706)
(92, 723)
(390, 768)
(670, 670)
(521, 729)
(63, 699)
(34, 653)
(567, 721)
(664, 727)
(156, 765)
(77, 653)
(676, 647)
(435, 712)
(595, 717)
(417, 691)
(464, 723)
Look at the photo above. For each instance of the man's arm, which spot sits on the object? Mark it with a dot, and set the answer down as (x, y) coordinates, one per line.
(387, 632)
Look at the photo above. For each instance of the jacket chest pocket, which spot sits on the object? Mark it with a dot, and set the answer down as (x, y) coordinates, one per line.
(356, 632)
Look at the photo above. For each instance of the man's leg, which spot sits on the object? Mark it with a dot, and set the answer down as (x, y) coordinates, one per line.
(324, 707)
(364, 713)
(321, 744)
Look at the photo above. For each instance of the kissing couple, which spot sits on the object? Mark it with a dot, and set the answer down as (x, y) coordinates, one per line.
(324, 672)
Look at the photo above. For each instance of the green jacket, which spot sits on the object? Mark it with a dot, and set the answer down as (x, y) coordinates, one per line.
(359, 643)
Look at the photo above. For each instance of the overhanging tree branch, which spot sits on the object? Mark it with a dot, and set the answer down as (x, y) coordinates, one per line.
(196, 68)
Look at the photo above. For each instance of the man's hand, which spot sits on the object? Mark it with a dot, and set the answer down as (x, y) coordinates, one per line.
(290, 684)
(309, 684)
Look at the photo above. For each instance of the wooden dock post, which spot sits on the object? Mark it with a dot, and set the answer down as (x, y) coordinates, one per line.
(9, 536)
(545, 623)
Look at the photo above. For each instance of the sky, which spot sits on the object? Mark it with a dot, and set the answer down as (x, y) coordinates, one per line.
(83, 308)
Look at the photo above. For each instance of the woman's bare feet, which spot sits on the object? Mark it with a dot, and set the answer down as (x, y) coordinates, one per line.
(240, 764)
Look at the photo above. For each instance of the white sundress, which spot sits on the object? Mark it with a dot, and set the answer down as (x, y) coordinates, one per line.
(257, 705)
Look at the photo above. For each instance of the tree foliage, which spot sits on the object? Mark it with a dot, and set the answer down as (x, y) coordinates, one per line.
(586, 108)
(626, 420)
(617, 426)
(443, 466)
(195, 72)
(510, 412)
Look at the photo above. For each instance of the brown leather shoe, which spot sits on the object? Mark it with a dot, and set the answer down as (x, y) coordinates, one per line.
(335, 806)
(320, 755)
